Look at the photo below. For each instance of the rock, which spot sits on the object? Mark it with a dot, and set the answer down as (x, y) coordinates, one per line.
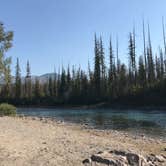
(124, 158)
(34, 118)
(133, 159)
(100, 152)
(156, 160)
(160, 158)
(102, 160)
(151, 158)
(163, 156)
(118, 152)
(41, 118)
(86, 161)
(44, 149)
(21, 116)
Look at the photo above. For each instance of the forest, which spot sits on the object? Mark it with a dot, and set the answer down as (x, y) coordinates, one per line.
(141, 82)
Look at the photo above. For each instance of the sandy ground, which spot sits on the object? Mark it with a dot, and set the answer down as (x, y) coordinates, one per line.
(35, 142)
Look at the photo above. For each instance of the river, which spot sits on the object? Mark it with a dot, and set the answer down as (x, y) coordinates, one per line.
(148, 122)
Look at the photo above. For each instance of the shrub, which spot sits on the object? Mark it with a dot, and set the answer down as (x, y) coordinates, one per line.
(7, 110)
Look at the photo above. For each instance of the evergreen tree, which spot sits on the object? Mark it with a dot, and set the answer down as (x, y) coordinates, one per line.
(37, 89)
(132, 61)
(151, 68)
(28, 83)
(145, 58)
(161, 64)
(68, 78)
(112, 71)
(62, 87)
(141, 73)
(18, 80)
(122, 80)
(50, 87)
(103, 69)
(97, 69)
(164, 44)
(102, 59)
(7, 81)
(55, 84)
(158, 69)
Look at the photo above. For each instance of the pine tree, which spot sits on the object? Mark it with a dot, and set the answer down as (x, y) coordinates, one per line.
(161, 64)
(132, 61)
(68, 77)
(112, 71)
(37, 89)
(151, 68)
(7, 81)
(18, 80)
(117, 57)
(103, 69)
(117, 71)
(111, 62)
(50, 87)
(62, 87)
(55, 84)
(164, 44)
(122, 80)
(84, 87)
(97, 69)
(145, 58)
(141, 72)
(28, 83)
(102, 59)
(158, 69)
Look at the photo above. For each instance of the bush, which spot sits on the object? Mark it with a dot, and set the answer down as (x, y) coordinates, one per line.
(7, 110)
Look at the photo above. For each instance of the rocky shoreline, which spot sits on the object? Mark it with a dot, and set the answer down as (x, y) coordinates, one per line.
(124, 158)
(43, 141)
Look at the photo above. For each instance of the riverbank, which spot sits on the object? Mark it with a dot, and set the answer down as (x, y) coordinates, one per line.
(38, 141)
(102, 105)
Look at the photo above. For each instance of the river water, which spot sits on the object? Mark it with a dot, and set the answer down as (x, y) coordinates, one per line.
(148, 122)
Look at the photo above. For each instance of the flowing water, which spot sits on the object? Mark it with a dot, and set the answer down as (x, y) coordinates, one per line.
(148, 122)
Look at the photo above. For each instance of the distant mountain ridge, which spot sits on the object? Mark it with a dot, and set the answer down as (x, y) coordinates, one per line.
(42, 78)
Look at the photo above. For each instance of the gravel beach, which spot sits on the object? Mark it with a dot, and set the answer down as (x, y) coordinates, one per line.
(30, 141)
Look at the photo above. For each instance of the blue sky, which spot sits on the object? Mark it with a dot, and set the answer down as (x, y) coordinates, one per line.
(51, 32)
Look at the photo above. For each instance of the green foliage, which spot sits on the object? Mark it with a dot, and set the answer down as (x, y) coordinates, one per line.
(6, 38)
(7, 110)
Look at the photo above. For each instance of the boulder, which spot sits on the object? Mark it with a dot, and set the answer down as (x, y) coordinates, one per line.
(124, 158)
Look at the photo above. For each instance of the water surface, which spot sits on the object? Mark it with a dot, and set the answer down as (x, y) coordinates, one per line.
(147, 122)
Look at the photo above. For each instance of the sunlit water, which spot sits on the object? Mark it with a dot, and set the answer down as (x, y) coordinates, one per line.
(146, 122)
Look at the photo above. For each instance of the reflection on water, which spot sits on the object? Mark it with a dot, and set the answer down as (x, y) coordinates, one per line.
(137, 121)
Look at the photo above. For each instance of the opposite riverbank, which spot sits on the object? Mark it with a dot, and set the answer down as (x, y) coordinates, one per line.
(35, 141)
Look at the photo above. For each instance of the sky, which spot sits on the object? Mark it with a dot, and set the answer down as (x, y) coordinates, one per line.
(50, 33)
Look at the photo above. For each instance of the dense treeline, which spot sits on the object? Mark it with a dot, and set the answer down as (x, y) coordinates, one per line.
(142, 81)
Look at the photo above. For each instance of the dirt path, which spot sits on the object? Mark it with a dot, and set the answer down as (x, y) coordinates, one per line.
(35, 142)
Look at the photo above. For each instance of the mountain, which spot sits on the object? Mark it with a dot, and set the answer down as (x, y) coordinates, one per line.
(42, 78)
(46, 76)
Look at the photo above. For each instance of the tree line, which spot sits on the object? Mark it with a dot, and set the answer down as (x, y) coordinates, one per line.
(142, 81)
